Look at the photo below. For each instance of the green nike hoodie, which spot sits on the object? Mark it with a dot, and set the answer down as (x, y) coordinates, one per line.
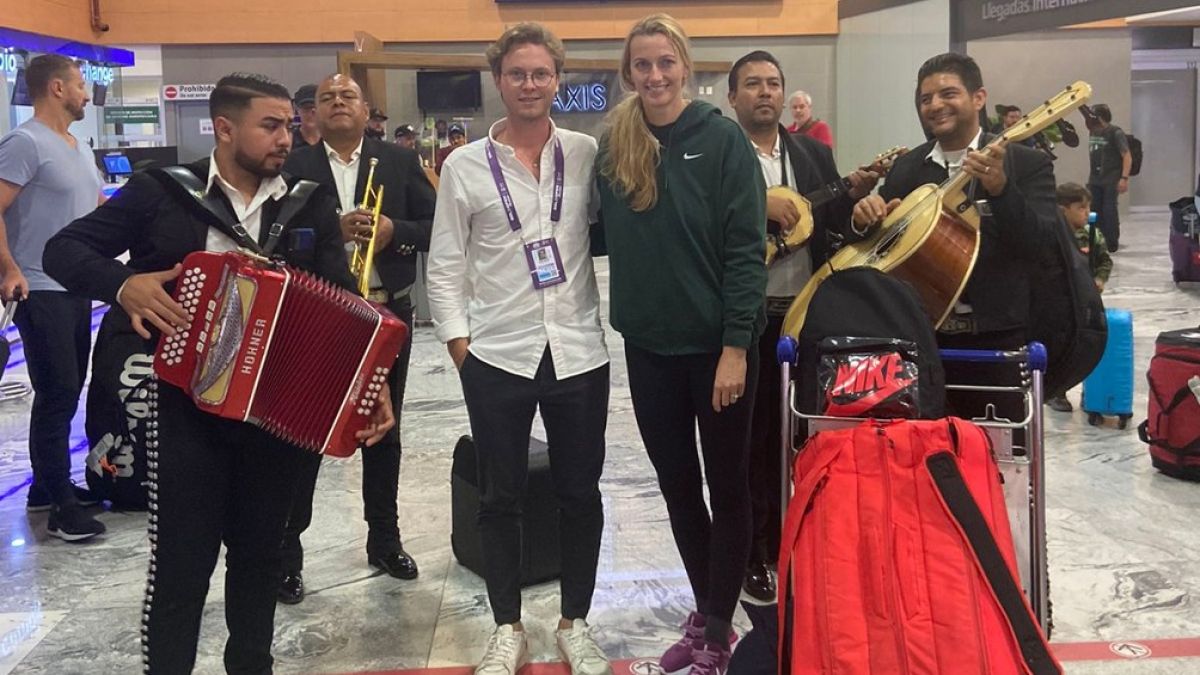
(687, 276)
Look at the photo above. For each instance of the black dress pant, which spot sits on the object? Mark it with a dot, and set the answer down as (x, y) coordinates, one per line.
(766, 493)
(575, 411)
(381, 473)
(672, 395)
(56, 334)
(212, 481)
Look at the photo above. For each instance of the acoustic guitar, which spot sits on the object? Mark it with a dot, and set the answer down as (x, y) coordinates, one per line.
(931, 239)
(781, 244)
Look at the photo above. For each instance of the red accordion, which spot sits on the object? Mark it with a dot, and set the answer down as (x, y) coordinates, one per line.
(279, 348)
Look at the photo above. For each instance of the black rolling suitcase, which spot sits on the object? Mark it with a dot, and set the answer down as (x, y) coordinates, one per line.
(540, 559)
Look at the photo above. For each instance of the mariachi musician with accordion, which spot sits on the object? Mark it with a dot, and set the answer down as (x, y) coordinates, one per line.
(213, 479)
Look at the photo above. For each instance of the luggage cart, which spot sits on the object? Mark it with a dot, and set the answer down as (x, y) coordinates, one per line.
(1022, 467)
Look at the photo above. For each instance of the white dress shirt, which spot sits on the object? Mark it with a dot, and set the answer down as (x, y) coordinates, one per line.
(345, 176)
(479, 279)
(249, 214)
(952, 161)
(785, 277)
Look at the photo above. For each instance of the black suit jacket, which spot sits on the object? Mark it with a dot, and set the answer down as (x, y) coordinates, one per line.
(811, 167)
(1012, 240)
(408, 199)
(158, 227)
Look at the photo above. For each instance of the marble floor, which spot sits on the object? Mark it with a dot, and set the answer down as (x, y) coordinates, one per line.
(1123, 549)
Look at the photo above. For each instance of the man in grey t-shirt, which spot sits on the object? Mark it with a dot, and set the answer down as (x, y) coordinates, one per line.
(1111, 160)
(47, 180)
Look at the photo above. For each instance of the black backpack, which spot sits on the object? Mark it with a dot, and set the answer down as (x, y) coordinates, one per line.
(864, 302)
(1135, 152)
(117, 413)
(1066, 313)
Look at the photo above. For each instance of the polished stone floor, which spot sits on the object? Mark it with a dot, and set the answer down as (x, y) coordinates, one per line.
(1123, 546)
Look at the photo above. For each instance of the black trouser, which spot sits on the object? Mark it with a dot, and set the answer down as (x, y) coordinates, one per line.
(1108, 218)
(969, 404)
(765, 429)
(212, 481)
(671, 394)
(381, 473)
(56, 334)
(575, 411)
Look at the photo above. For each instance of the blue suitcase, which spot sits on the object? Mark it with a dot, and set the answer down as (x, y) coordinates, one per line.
(1108, 390)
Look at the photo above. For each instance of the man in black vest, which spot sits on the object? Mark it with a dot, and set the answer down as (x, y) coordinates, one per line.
(217, 480)
(804, 164)
(1014, 187)
(342, 162)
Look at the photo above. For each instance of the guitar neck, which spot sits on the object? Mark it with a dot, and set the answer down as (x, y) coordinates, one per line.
(829, 192)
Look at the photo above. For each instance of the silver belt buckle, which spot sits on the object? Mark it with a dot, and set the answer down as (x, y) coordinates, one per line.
(956, 324)
(379, 295)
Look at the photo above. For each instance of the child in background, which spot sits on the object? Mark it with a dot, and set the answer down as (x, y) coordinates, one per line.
(1074, 203)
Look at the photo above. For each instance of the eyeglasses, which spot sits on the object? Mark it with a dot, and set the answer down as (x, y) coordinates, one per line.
(517, 77)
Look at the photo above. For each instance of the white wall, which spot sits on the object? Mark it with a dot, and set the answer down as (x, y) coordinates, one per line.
(1027, 68)
(878, 55)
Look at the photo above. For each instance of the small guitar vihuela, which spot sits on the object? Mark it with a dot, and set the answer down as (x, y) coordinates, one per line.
(781, 244)
(931, 239)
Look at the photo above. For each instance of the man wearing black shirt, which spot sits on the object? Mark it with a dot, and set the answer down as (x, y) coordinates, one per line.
(1014, 186)
(217, 480)
(1111, 161)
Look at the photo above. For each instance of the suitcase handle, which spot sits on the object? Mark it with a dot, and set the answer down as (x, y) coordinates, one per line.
(10, 308)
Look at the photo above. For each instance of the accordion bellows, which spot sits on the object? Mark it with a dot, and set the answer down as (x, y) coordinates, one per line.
(281, 349)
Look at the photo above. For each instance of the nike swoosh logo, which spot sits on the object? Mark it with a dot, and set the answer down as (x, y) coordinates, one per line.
(687, 156)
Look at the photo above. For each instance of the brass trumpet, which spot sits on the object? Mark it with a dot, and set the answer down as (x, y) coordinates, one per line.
(364, 252)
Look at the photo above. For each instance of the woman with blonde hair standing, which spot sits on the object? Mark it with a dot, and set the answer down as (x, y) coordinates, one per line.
(683, 205)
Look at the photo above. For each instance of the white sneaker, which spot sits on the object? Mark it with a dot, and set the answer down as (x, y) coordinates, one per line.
(579, 649)
(507, 652)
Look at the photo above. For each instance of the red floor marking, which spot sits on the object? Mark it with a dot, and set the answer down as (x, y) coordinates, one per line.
(1065, 651)
(1118, 650)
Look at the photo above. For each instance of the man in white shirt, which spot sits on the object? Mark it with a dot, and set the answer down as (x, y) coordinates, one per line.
(803, 164)
(342, 162)
(217, 480)
(514, 298)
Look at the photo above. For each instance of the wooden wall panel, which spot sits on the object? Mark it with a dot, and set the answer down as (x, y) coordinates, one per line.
(314, 21)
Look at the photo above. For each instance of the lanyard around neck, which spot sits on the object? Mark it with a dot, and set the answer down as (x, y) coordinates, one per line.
(506, 200)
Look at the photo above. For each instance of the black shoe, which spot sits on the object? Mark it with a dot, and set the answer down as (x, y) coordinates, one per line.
(37, 500)
(1060, 404)
(69, 523)
(759, 582)
(397, 564)
(291, 590)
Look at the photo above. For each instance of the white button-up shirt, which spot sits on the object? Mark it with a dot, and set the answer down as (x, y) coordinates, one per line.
(787, 276)
(479, 278)
(952, 161)
(249, 214)
(345, 176)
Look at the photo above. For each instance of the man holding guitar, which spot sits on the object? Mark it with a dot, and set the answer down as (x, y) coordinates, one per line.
(1014, 188)
(805, 166)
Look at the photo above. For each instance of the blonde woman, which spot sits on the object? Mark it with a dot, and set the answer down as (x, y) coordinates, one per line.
(682, 198)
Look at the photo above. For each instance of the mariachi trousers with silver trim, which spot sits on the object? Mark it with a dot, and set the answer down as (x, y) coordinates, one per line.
(213, 481)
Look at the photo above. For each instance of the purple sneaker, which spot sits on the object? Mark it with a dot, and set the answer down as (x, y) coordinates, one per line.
(709, 658)
(678, 658)
(681, 655)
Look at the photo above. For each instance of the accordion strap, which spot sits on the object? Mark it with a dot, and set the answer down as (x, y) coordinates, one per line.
(295, 200)
(183, 179)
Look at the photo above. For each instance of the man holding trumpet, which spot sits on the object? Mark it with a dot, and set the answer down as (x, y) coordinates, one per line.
(346, 162)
